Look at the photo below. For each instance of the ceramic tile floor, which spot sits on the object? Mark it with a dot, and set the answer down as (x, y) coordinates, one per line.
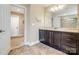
(38, 49)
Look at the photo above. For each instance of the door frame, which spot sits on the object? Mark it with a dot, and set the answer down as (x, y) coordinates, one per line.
(25, 18)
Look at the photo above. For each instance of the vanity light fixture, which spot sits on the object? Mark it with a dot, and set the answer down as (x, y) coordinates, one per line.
(52, 9)
(57, 7)
(33, 24)
(61, 6)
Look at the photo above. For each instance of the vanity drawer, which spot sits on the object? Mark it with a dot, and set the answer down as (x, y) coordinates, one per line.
(69, 40)
(69, 43)
(71, 35)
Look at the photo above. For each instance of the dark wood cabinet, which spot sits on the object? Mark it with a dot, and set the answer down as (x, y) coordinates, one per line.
(57, 39)
(46, 37)
(68, 43)
(64, 41)
(77, 47)
(42, 36)
(52, 38)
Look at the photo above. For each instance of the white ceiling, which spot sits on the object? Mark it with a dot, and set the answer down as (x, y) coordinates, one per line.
(44, 5)
(47, 5)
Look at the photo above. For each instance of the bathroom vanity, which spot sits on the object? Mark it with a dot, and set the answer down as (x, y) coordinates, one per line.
(63, 40)
(61, 29)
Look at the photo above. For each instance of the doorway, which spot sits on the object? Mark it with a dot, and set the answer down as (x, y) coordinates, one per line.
(17, 27)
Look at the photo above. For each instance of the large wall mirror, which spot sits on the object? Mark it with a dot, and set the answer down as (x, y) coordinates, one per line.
(69, 21)
(61, 16)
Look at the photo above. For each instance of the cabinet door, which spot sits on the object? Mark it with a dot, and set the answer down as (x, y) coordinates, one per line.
(52, 38)
(78, 46)
(57, 38)
(41, 36)
(47, 36)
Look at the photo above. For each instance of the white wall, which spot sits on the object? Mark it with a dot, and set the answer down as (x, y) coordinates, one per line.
(27, 24)
(35, 20)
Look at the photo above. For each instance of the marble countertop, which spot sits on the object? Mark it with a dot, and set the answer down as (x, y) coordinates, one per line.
(62, 29)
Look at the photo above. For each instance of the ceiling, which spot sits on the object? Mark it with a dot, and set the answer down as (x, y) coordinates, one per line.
(47, 5)
(44, 5)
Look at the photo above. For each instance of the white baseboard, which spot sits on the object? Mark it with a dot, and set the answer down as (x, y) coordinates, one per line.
(26, 43)
(33, 43)
(30, 44)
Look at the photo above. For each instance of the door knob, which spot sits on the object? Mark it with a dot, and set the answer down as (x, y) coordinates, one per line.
(2, 31)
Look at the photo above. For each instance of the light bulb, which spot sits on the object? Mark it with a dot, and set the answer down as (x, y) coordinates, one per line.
(60, 6)
(33, 24)
(52, 9)
(56, 8)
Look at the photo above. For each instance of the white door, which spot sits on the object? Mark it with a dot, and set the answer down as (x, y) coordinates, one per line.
(14, 25)
(4, 29)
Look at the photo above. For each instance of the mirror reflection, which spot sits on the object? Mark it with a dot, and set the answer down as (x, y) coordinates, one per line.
(61, 16)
